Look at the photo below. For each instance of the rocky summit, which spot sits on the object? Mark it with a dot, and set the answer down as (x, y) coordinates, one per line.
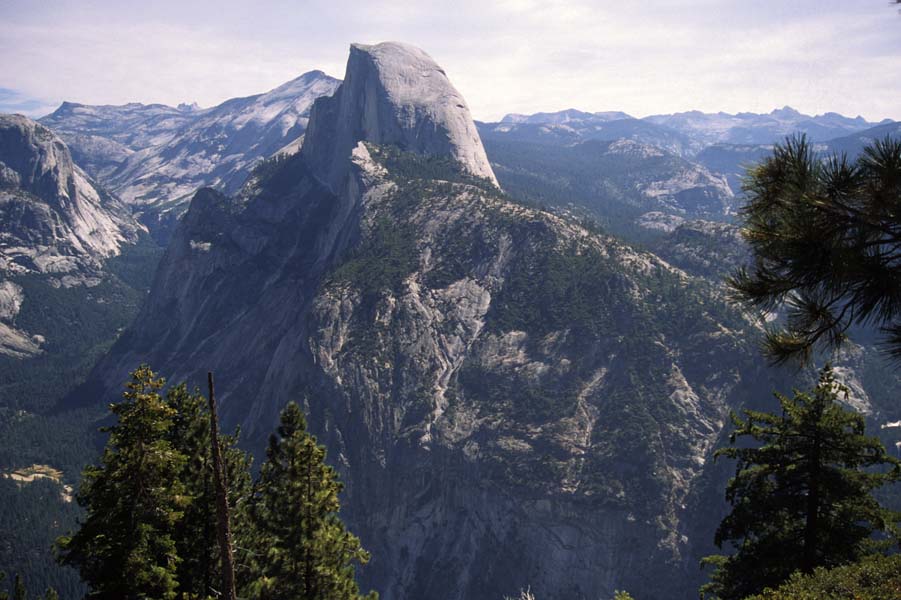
(393, 94)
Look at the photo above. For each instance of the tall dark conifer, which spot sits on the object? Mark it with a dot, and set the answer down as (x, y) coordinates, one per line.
(309, 555)
(196, 543)
(802, 493)
(134, 501)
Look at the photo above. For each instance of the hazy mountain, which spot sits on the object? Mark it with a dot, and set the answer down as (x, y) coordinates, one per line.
(570, 116)
(220, 145)
(612, 182)
(560, 130)
(132, 125)
(732, 160)
(753, 128)
(854, 144)
(155, 156)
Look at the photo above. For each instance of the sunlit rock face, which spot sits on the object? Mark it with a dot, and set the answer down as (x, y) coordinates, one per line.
(393, 94)
(53, 218)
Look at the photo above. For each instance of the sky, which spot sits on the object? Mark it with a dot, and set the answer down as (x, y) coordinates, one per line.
(642, 57)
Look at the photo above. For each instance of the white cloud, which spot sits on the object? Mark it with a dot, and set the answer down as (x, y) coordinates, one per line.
(505, 56)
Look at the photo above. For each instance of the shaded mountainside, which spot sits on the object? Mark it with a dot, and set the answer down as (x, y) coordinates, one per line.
(612, 182)
(511, 398)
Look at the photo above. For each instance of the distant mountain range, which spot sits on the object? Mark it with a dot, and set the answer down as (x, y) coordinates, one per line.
(156, 157)
(698, 129)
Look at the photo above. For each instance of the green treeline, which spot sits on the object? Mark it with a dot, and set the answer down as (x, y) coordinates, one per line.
(150, 529)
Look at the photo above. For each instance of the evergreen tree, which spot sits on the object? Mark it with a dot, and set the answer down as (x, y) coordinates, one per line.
(134, 500)
(825, 236)
(308, 553)
(802, 497)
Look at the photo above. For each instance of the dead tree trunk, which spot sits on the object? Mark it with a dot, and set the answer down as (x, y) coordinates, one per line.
(225, 536)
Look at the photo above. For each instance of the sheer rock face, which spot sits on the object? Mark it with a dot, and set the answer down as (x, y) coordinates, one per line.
(511, 399)
(53, 218)
(393, 94)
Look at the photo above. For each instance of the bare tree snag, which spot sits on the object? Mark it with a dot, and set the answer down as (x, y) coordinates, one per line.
(224, 529)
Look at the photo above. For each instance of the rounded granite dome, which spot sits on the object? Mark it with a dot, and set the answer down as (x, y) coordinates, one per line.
(393, 94)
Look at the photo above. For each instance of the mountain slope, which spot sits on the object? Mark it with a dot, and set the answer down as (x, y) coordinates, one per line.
(71, 265)
(218, 148)
(571, 127)
(614, 183)
(54, 218)
(69, 260)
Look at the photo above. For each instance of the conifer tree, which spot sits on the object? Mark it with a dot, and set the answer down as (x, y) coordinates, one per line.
(134, 501)
(802, 495)
(825, 237)
(309, 555)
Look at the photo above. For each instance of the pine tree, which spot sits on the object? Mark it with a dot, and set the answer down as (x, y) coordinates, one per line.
(309, 554)
(825, 237)
(134, 501)
(802, 497)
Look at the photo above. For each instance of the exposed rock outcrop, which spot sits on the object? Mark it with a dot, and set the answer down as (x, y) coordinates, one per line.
(53, 218)
(393, 94)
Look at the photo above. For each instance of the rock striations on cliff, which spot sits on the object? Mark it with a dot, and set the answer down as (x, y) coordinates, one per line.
(512, 399)
(57, 228)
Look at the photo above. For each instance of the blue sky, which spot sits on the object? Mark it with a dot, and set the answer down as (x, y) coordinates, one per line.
(504, 55)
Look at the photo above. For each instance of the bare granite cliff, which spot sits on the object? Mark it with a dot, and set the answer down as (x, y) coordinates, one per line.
(393, 94)
(53, 217)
